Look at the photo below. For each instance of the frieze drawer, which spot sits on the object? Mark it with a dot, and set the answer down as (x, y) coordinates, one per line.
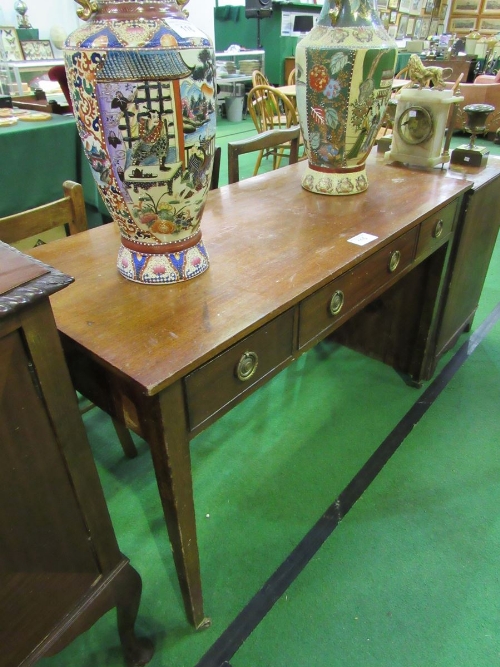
(220, 381)
(436, 229)
(328, 307)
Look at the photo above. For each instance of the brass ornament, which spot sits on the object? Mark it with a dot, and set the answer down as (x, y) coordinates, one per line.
(88, 7)
(247, 365)
(394, 260)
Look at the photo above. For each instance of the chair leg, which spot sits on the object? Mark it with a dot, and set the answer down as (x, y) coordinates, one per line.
(125, 439)
(257, 164)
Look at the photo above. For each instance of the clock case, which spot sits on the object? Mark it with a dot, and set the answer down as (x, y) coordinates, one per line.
(420, 126)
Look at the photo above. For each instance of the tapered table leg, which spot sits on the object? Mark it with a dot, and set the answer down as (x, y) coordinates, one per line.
(165, 428)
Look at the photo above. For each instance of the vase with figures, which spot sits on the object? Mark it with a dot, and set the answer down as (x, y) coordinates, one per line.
(345, 68)
(141, 78)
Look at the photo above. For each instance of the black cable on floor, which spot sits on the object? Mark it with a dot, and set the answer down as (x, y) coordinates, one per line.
(219, 654)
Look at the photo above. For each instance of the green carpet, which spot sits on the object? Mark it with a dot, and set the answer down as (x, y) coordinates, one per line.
(409, 577)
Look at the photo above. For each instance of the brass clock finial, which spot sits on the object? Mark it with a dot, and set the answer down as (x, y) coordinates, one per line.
(88, 7)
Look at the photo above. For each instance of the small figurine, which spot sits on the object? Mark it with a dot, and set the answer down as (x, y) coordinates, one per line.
(22, 12)
(421, 76)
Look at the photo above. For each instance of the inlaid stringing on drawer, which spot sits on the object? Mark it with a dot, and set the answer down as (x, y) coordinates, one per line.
(220, 381)
(327, 307)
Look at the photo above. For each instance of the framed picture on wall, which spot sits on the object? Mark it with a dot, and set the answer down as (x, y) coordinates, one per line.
(393, 17)
(489, 25)
(442, 11)
(466, 7)
(418, 28)
(462, 24)
(403, 22)
(404, 6)
(37, 49)
(491, 7)
(424, 28)
(410, 26)
(392, 31)
(9, 43)
(415, 6)
(433, 28)
(429, 7)
(393, 4)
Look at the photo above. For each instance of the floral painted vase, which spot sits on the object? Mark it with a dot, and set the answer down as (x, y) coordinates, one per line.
(141, 79)
(345, 68)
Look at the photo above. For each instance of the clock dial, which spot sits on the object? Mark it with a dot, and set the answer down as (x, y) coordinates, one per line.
(415, 125)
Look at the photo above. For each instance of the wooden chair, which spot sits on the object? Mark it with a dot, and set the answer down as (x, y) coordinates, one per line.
(292, 77)
(259, 79)
(272, 139)
(270, 109)
(68, 211)
(214, 181)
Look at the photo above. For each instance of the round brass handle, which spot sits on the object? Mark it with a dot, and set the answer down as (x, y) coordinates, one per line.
(394, 260)
(336, 302)
(438, 229)
(247, 365)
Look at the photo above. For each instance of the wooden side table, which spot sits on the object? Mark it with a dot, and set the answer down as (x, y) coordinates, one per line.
(60, 565)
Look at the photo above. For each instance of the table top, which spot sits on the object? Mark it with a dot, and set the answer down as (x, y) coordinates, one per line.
(271, 243)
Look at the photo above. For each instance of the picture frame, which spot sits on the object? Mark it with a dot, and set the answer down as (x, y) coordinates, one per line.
(433, 28)
(392, 31)
(393, 4)
(424, 28)
(381, 5)
(429, 7)
(491, 7)
(384, 17)
(393, 17)
(465, 7)
(404, 6)
(415, 6)
(418, 28)
(442, 11)
(410, 27)
(440, 29)
(402, 25)
(462, 24)
(37, 49)
(9, 43)
(489, 24)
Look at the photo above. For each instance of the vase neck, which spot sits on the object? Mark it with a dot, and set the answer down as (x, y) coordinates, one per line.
(344, 13)
(131, 9)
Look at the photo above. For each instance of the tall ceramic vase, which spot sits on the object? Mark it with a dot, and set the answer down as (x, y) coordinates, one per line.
(141, 79)
(345, 68)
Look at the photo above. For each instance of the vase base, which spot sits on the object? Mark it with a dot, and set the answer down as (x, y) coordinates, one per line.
(163, 268)
(334, 182)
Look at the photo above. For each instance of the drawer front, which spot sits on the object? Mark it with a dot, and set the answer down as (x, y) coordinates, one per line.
(220, 381)
(436, 229)
(331, 304)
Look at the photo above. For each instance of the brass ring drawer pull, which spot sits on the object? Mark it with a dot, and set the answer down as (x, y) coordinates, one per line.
(336, 302)
(438, 229)
(247, 365)
(394, 260)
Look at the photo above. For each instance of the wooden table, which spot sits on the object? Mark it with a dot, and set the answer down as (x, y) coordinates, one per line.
(169, 360)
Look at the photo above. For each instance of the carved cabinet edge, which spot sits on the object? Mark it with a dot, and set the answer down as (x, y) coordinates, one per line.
(33, 290)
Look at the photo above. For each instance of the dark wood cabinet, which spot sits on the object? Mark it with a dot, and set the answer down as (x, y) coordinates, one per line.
(60, 565)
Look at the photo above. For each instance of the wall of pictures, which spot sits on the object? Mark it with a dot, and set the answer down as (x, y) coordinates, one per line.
(414, 19)
(481, 15)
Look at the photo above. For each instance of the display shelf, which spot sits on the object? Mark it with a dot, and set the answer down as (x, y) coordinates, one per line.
(13, 71)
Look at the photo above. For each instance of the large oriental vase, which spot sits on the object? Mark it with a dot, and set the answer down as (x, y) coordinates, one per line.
(142, 83)
(345, 68)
